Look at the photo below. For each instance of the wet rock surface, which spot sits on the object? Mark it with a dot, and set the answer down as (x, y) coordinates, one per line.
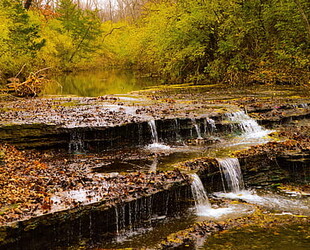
(31, 188)
(166, 102)
(199, 232)
(84, 167)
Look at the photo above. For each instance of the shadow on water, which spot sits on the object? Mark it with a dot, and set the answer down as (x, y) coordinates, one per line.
(98, 83)
(147, 238)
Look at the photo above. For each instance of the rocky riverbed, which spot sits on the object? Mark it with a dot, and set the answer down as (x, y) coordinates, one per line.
(65, 153)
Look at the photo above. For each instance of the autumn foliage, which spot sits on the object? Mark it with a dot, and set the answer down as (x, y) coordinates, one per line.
(23, 184)
(197, 41)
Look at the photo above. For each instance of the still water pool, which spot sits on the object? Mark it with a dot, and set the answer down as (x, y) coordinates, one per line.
(292, 237)
(98, 83)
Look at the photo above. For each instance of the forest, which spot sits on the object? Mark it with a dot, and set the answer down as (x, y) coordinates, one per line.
(226, 41)
(154, 124)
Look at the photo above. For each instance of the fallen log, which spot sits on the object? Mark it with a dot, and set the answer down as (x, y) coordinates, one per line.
(32, 86)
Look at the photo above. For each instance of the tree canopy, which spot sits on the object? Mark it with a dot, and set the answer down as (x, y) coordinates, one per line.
(231, 41)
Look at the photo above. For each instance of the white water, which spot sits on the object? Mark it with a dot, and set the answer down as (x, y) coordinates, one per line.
(155, 141)
(272, 201)
(304, 105)
(199, 193)
(248, 125)
(177, 130)
(301, 105)
(211, 122)
(158, 146)
(197, 128)
(230, 169)
(76, 144)
(152, 125)
(202, 204)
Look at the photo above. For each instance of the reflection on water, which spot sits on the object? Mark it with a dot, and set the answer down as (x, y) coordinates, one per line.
(291, 237)
(98, 83)
(149, 238)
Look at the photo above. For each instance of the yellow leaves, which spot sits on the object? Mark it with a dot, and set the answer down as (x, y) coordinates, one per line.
(20, 179)
(174, 239)
(235, 202)
(300, 216)
(32, 86)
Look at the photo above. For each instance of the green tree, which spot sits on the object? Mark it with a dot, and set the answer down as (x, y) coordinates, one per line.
(225, 40)
(83, 27)
(20, 36)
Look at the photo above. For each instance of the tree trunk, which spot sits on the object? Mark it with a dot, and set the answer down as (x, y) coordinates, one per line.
(27, 4)
(304, 16)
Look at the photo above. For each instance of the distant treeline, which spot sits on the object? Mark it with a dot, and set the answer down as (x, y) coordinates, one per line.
(230, 41)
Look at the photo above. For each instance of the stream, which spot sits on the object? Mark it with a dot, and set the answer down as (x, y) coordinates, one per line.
(225, 195)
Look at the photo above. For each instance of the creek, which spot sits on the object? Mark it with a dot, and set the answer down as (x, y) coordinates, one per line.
(163, 154)
(223, 193)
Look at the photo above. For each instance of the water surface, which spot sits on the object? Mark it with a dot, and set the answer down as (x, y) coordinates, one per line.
(98, 83)
(293, 237)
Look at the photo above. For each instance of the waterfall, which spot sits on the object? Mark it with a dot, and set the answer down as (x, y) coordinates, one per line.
(152, 125)
(177, 130)
(247, 124)
(303, 105)
(120, 222)
(212, 123)
(208, 122)
(202, 204)
(199, 194)
(155, 141)
(76, 144)
(197, 128)
(230, 169)
(116, 220)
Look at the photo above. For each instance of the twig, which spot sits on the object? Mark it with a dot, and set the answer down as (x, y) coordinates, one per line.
(20, 70)
(110, 32)
(41, 70)
(80, 43)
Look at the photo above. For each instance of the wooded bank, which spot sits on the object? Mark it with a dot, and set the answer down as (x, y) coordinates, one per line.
(198, 41)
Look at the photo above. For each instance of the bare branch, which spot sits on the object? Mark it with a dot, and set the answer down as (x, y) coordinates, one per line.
(110, 32)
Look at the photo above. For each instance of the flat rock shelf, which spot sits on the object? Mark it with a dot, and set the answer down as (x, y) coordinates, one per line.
(102, 172)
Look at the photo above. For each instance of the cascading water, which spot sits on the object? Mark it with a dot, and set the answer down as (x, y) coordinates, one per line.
(76, 144)
(197, 128)
(248, 125)
(301, 105)
(202, 204)
(133, 218)
(199, 194)
(177, 131)
(209, 126)
(152, 125)
(212, 123)
(304, 105)
(230, 169)
(120, 224)
(155, 141)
